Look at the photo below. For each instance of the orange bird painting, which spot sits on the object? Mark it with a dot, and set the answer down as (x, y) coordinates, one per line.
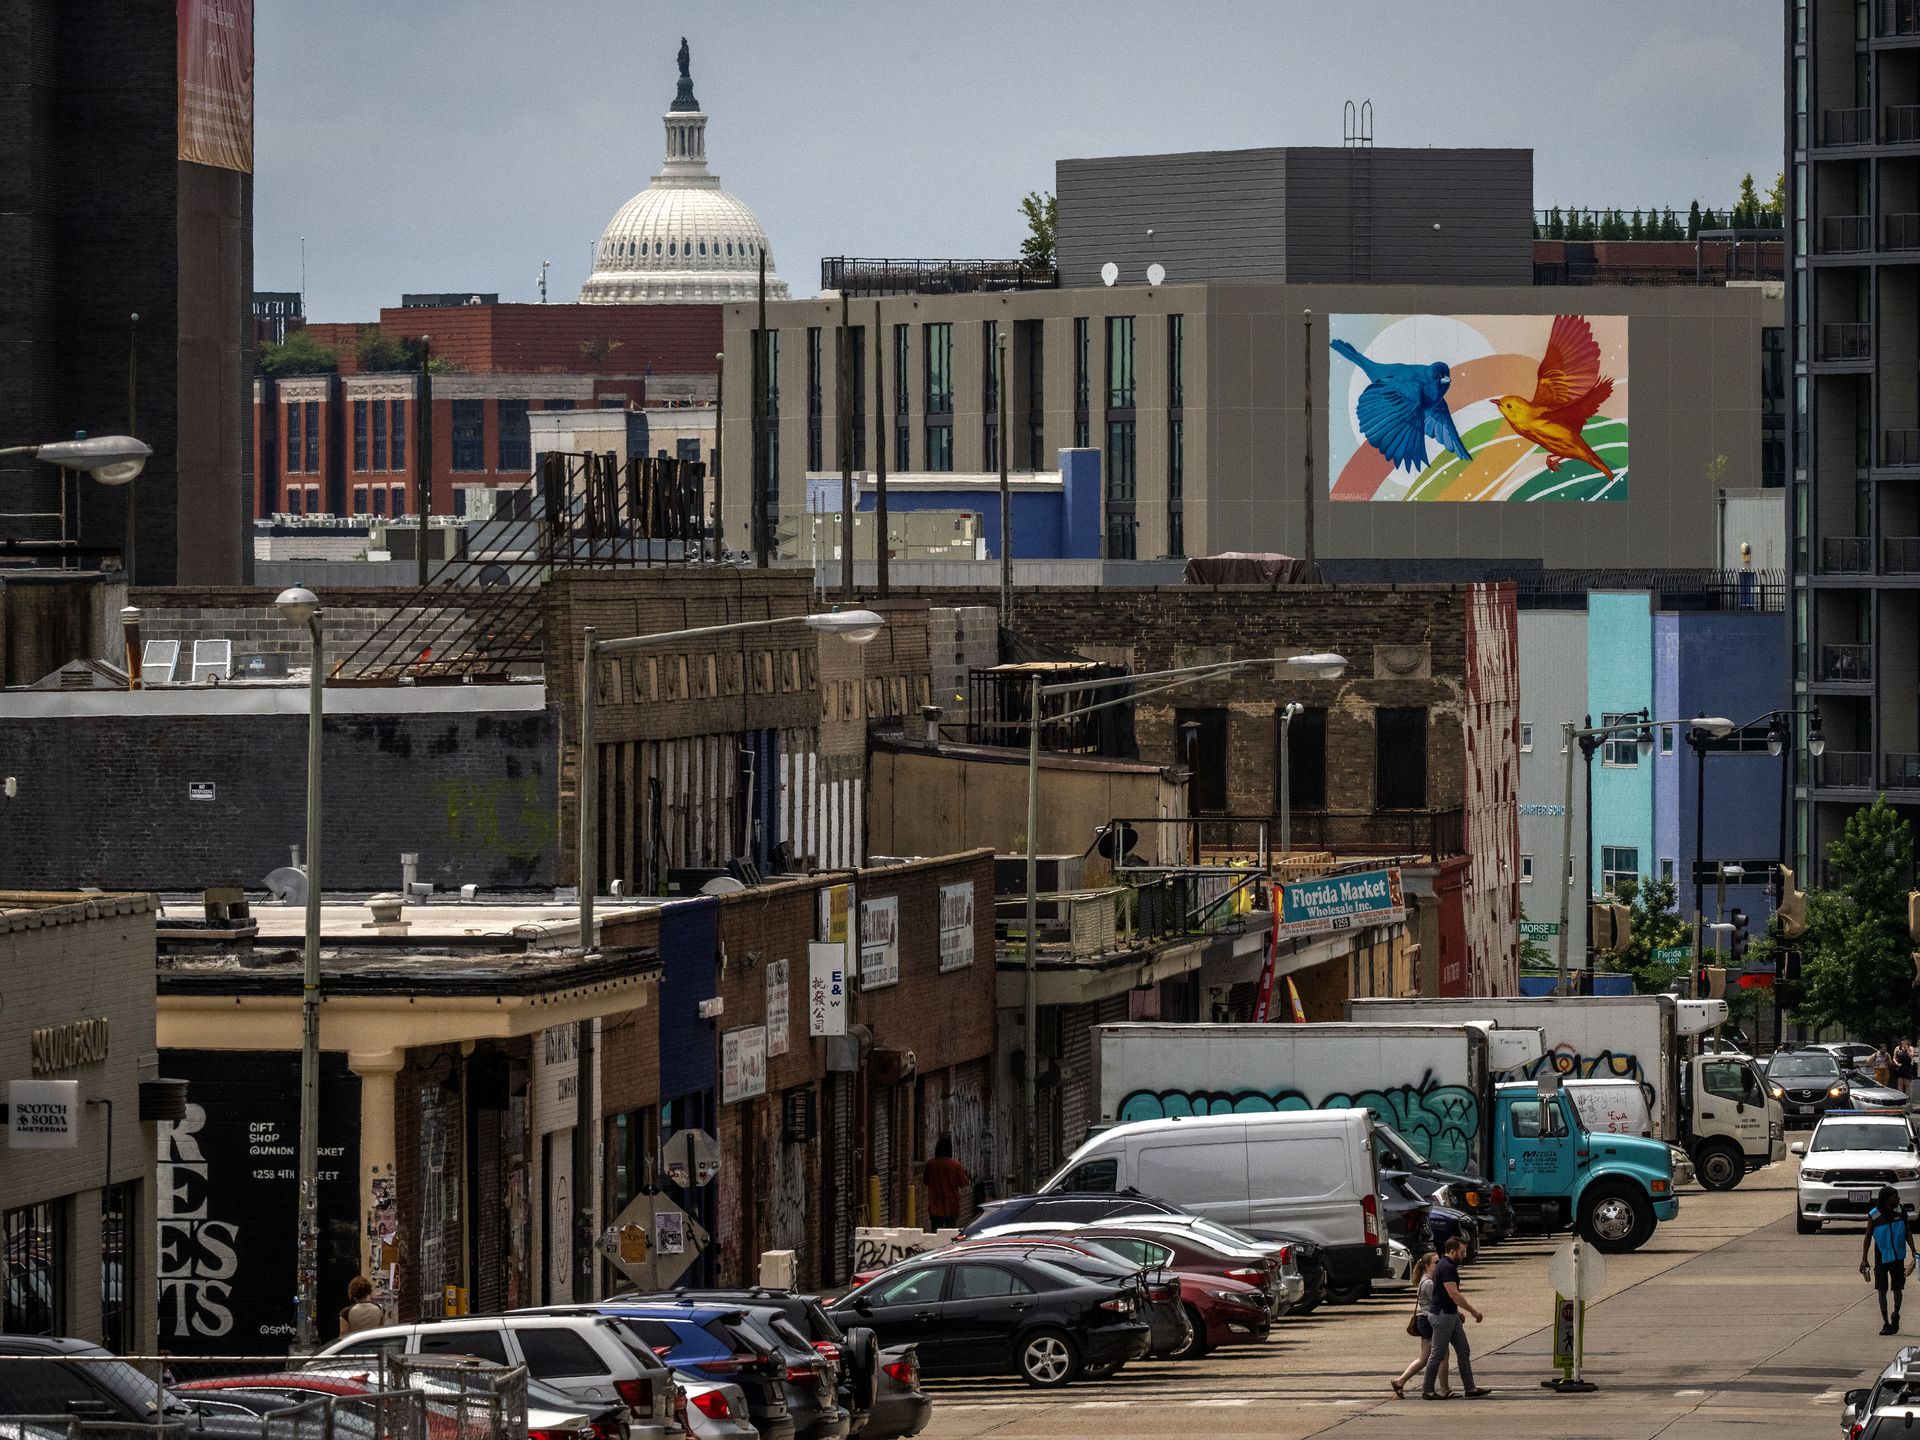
(1566, 394)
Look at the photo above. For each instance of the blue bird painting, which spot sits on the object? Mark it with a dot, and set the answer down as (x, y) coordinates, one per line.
(1402, 406)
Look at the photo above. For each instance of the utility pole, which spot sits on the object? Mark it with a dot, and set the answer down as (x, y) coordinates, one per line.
(881, 437)
(843, 412)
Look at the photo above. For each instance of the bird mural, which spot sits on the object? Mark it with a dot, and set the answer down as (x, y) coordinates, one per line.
(1567, 392)
(1402, 407)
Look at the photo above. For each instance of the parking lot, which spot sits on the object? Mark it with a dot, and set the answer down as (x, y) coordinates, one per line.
(1728, 1323)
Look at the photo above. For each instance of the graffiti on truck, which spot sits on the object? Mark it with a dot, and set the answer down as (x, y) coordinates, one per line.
(1567, 1061)
(1440, 1121)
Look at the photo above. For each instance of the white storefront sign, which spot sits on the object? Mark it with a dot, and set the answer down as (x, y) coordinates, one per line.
(879, 942)
(956, 926)
(826, 988)
(43, 1114)
(743, 1063)
(777, 1008)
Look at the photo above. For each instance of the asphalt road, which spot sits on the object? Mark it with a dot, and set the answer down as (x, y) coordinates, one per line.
(1727, 1324)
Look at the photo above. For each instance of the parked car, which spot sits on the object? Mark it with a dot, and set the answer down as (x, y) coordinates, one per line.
(1069, 1207)
(1399, 1268)
(710, 1343)
(91, 1384)
(715, 1411)
(1847, 1160)
(1809, 1083)
(991, 1316)
(1171, 1330)
(1869, 1094)
(449, 1386)
(1257, 1253)
(1893, 1399)
(1852, 1054)
(1404, 1210)
(1487, 1203)
(854, 1353)
(581, 1355)
(900, 1407)
(1310, 1171)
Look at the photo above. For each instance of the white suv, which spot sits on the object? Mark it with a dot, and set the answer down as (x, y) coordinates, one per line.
(587, 1357)
(1851, 1155)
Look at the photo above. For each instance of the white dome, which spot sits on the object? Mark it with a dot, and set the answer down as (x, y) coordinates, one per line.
(683, 239)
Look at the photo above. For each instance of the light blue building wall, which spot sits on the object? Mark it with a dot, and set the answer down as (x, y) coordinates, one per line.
(1620, 683)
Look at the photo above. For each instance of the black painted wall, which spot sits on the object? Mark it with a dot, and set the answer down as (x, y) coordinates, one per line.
(107, 801)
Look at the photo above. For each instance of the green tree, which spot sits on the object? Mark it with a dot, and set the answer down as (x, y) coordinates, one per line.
(1656, 926)
(1556, 224)
(1041, 210)
(1669, 225)
(1693, 220)
(1637, 230)
(1777, 199)
(1746, 208)
(1857, 967)
(374, 349)
(298, 354)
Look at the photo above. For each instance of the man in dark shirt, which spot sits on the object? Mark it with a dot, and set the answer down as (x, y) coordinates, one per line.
(1448, 1303)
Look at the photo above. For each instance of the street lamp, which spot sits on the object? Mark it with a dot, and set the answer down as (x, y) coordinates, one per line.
(1318, 665)
(302, 607)
(110, 459)
(856, 626)
(1589, 738)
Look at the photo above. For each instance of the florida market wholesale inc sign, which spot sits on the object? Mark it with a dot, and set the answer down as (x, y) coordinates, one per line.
(1342, 902)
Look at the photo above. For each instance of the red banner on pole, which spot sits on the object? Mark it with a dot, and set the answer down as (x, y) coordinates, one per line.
(1263, 998)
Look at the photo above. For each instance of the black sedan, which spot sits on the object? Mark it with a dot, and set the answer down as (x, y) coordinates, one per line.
(1008, 1313)
(1170, 1332)
(1488, 1204)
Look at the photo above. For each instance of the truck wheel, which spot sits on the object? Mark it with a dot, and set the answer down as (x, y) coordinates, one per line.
(1615, 1216)
(1348, 1294)
(1719, 1164)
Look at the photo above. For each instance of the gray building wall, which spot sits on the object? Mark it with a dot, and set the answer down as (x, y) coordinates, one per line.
(465, 778)
(1553, 690)
(1306, 214)
(1694, 371)
(87, 959)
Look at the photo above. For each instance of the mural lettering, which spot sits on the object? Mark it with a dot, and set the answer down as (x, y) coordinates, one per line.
(1439, 1121)
(1607, 1065)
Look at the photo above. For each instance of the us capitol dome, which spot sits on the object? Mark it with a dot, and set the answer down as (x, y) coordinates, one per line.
(682, 240)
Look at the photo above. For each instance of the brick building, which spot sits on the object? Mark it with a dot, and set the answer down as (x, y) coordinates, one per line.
(347, 442)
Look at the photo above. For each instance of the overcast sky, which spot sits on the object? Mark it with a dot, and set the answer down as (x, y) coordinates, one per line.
(455, 144)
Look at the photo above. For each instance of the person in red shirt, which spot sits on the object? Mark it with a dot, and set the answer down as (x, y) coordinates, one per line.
(949, 1187)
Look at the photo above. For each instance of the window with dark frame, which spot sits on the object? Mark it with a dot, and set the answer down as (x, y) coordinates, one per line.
(1621, 751)
(360, 435)
(293, 437)
(773, 422)
(397, 410)
(312, 466)
(1201, 737)
(937, 344)
(902, 429)
(469, 435)
(1176, 436)
(119, 1274)
(1082, 381)
(990, 395)
(1122, 441)
(1306, 738)
(1030, 344)
(816, 458)
(380, 437)
(1400, 758)
(514, 437)
(36, 1241)
(1618, 863)
(857, 389)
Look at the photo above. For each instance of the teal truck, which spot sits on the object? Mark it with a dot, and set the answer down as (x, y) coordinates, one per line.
(1613, 1188)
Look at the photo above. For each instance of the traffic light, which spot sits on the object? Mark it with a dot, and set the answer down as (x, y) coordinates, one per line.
(1716, 983)
(1737, 949)
(1609, 925)
(1791, 907)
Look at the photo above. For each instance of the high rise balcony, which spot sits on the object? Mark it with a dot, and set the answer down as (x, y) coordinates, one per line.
(1844, 770)
(1845, 664)
(1846, 234)
(1900, 232)
(1847, 127)
(1846, 555)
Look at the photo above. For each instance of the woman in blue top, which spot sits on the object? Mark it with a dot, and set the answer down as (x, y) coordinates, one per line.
(1887, 1243)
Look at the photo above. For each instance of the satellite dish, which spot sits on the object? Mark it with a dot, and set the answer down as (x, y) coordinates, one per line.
(721, 885)
(1156, 274)
(288, 884)
(1109, 273)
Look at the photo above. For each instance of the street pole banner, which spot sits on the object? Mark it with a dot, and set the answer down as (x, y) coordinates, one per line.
(1341, 902)
(1263, 999)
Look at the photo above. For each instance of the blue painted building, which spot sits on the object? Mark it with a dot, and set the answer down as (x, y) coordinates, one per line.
(1055, 517)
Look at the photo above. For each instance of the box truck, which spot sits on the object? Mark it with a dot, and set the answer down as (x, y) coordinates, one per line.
(1715, 1105)
(1437, 1085)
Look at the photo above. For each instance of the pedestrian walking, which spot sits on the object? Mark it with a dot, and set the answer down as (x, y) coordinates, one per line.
(1422, 1325)
(1903, 1066)
(948, 1185)
(1448, 1307)
(1888, 1244)
(1882, 1064)
(362, 1313)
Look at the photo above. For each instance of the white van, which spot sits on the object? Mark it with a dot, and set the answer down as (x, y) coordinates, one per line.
(1307, 1174)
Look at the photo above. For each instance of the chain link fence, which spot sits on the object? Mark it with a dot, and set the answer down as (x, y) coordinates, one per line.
(83, 1396)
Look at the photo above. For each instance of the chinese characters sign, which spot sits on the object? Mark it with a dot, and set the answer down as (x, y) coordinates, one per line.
(826, 988)
(743, 1063)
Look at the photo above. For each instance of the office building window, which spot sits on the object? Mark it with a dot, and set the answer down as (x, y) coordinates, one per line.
(119, 1274)
(990, 394)
(773, 423)
(1621, 751)
(359, 499)
(1400, 758)
(1618, 863)
(1526, 869)
(294, 499)
(293, 436)
(397, 411)
(856, 394)
(313, 500)
(1526, 735)
(1122, 441)
(469, 435)
(1666, 869)
(1306, 740)
(379, 499)
(937, 341)
(1082, 381)
(359, 435)
(514, 440)
(816, 459)
(36, 1241)
(556, 405)
(902, 433)
(1176, 436)
(379, 437)
(1666, 739)
(312, 466)
(1029, 343)
(398, 495)
(1119, 362)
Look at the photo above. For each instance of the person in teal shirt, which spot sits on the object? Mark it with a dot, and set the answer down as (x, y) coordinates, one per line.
(1887, 1244)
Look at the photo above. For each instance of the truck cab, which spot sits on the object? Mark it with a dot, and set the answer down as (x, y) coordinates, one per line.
(1734, 1123)
(1613, 1188)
